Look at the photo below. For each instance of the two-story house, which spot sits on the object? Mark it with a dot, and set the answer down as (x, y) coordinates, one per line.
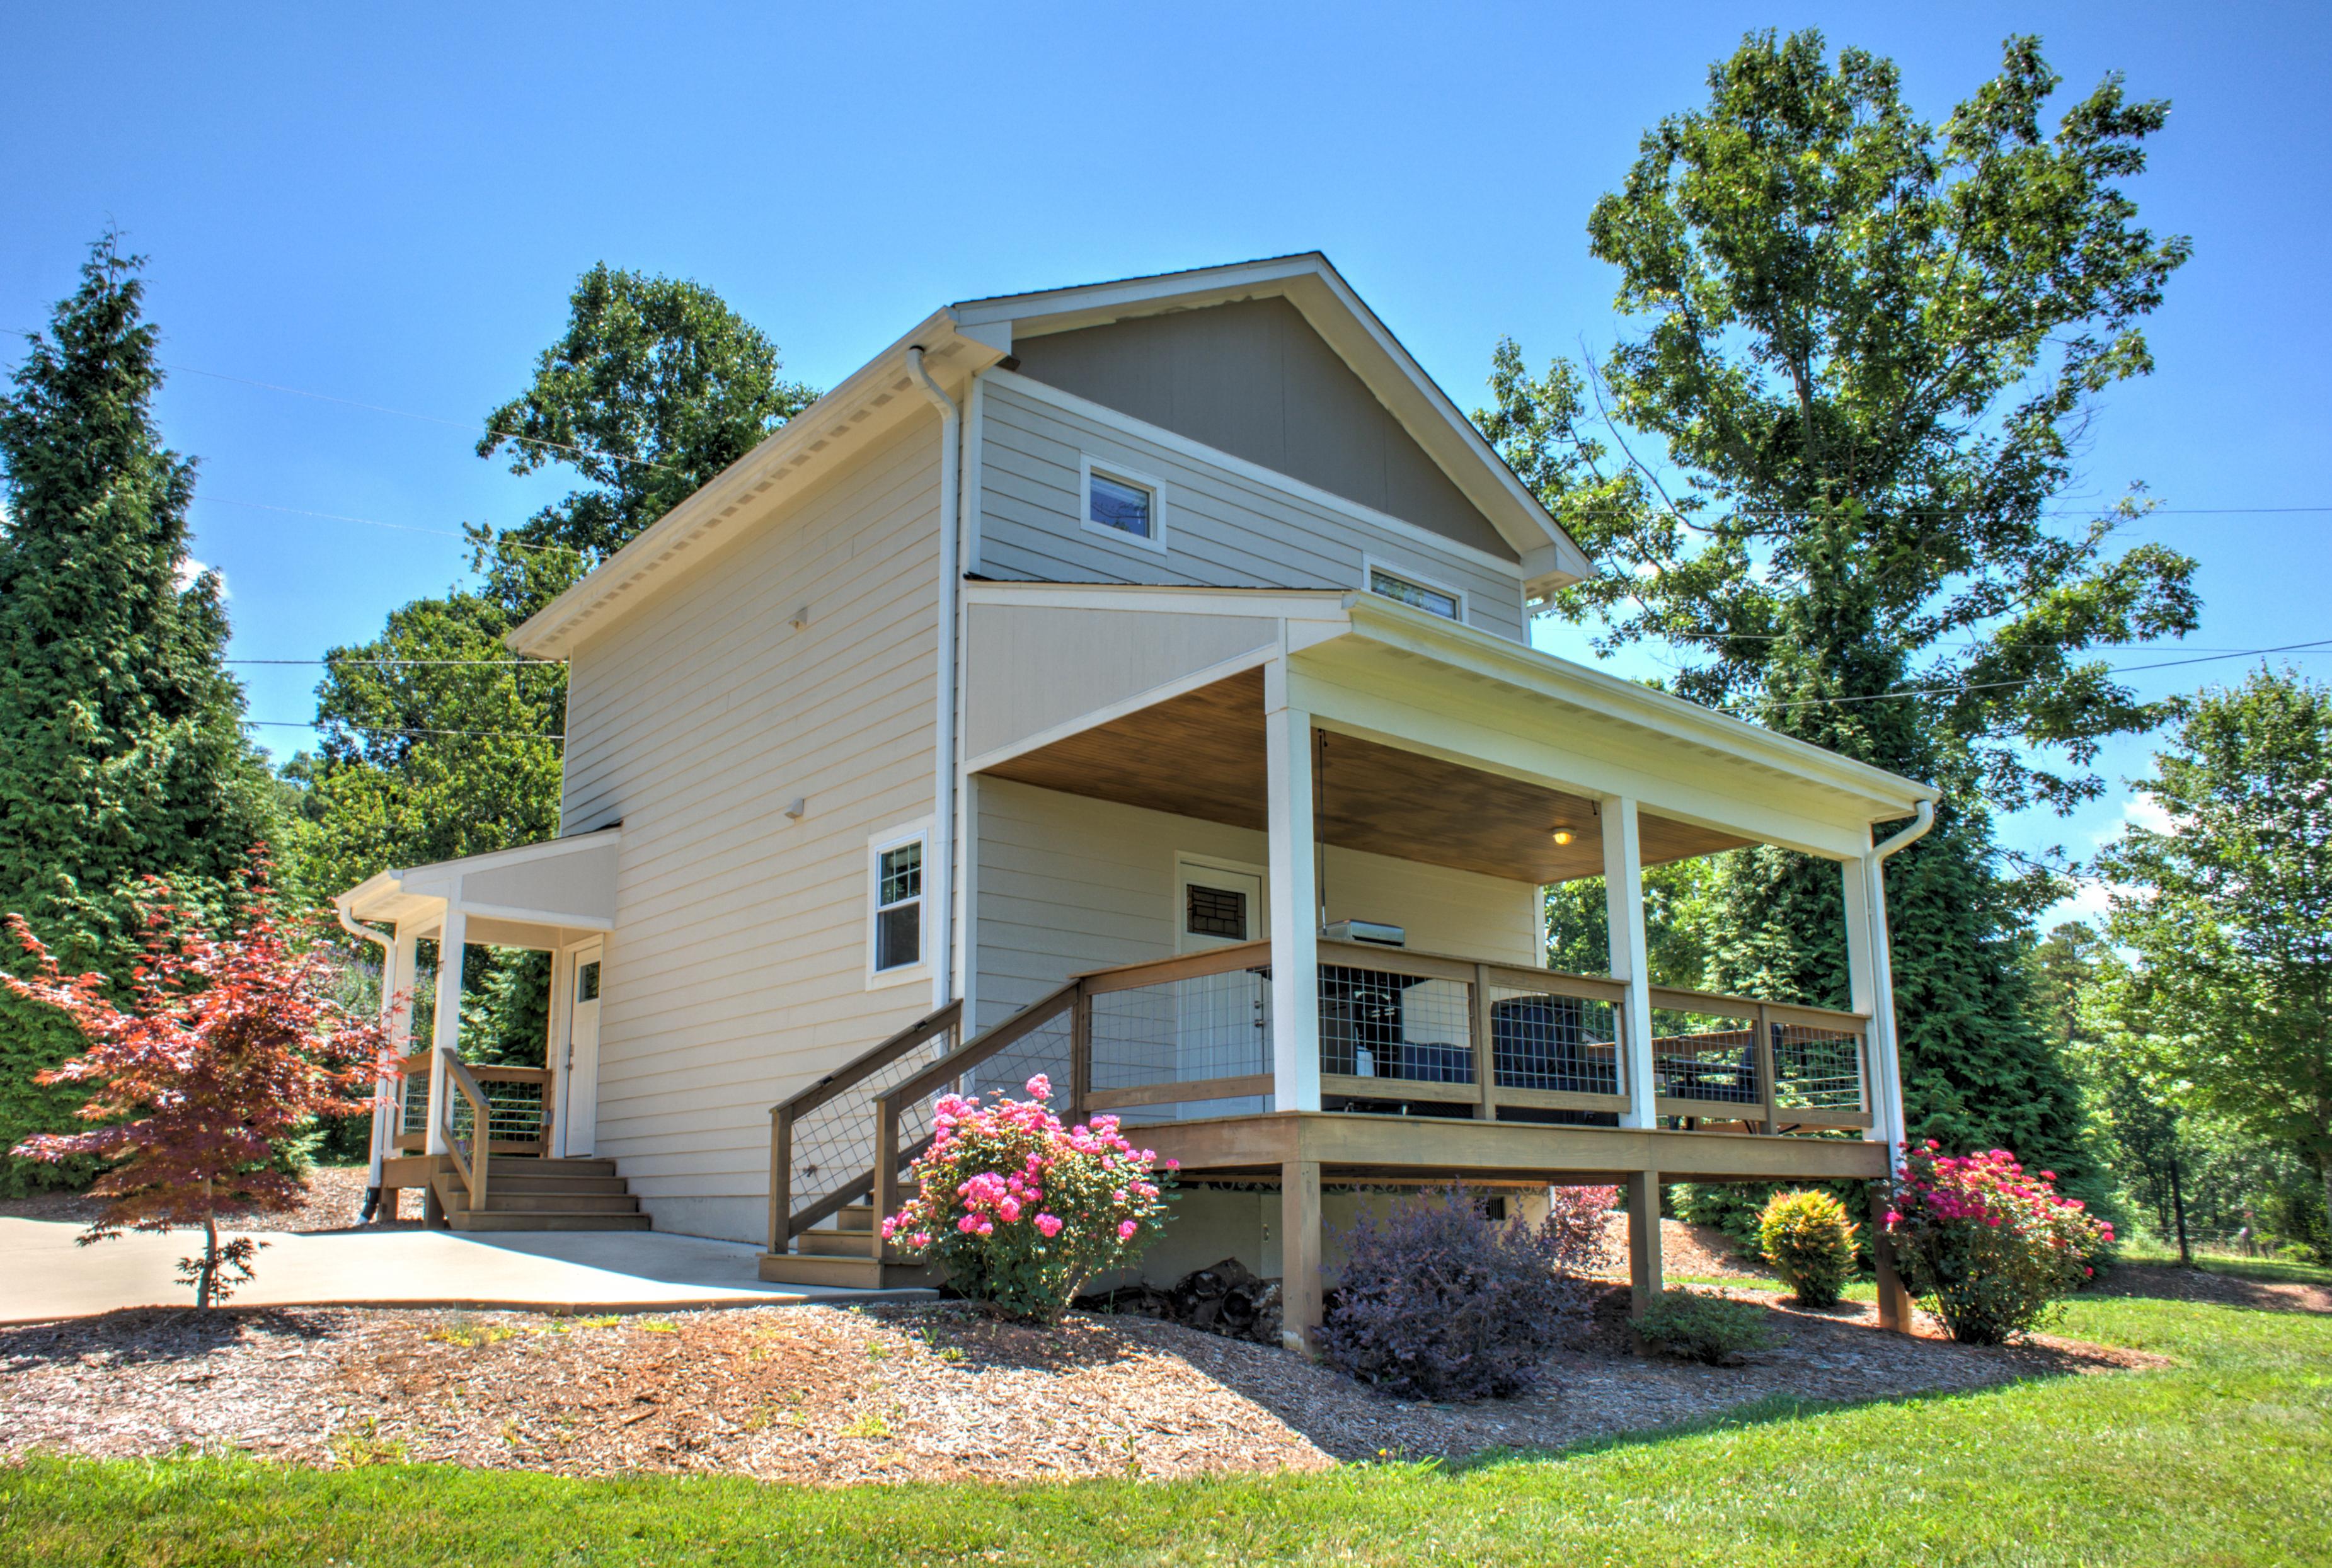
(1131, 683)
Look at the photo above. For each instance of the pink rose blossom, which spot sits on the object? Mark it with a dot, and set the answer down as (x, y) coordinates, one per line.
(1049, 1225)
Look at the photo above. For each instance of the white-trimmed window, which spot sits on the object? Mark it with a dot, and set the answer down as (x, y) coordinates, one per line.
(1417, 591)
(1120, 505)
(894, 890)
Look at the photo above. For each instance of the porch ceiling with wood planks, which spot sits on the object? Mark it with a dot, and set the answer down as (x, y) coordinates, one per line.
(1201, 754)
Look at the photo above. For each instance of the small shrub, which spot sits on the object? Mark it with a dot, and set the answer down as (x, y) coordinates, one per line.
(1992, 1248)
(1439, 1302)
(1019, 1212)
(1704, 1328)
(1809, 1242)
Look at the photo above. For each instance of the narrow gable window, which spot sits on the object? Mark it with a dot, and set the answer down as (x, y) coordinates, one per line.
(1124, 506)
(1438, 601)
(899, 906)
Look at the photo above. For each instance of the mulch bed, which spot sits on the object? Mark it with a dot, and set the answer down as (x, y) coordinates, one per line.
(335, 1199)
(833, 1396)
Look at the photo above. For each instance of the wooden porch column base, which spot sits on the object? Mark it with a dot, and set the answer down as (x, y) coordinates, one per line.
(1645, 1280)
(1299, 1255)
(433, 1212)
(1893, 1296)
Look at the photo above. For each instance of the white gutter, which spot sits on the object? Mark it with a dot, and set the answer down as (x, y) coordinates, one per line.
(1885, 1048)
(939, 859)
(380, 1111)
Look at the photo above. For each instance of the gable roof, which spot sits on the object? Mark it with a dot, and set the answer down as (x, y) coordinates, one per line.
(961, 340)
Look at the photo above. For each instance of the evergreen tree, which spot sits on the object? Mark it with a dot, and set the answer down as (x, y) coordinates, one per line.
(1870, 344)
(121, 749)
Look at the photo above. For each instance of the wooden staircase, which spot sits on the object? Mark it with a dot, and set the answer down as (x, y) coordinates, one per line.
(843, 1257)
(538, 1194)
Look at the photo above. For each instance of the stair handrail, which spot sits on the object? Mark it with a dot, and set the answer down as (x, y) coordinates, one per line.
(473, 1169)
(881, 1182)
(784, 1224)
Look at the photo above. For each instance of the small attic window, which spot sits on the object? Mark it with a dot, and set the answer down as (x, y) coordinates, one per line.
(1123, 505)
(1431, 598)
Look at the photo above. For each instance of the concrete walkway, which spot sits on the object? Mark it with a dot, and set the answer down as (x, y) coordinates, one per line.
(44, 1275)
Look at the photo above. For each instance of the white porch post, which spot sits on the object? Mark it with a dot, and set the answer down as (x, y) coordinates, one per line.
(1294, 900)
(397, 1022)
(1871, 971)
(1623, 895)
(445, 1036)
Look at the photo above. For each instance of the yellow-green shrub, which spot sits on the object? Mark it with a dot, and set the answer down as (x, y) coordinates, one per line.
(1809, 1242)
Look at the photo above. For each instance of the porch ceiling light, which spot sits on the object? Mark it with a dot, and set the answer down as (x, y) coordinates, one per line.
(1562, 836)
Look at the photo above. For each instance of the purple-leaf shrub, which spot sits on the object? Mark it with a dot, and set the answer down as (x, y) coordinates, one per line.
(1439, 1302)
(1019, 1212)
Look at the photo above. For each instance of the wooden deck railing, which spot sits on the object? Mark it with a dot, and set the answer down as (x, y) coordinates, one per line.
(1396, 1027)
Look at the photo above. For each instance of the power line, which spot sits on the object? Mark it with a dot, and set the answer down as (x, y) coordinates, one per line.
(499, 541)
(2035, 680)
(495, 663)
(394, 730)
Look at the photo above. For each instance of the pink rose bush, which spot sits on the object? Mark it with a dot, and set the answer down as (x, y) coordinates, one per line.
(1020, 1212)
(1991, 1246)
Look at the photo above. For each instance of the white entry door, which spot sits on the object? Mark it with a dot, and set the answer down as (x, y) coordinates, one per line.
(582, 1114)
(1220, 1028)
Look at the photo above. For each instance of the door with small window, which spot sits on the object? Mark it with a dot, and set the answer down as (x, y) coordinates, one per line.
(1222, 1025)
(581, 1117)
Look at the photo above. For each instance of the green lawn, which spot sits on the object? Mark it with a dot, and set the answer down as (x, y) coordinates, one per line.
(2226, 1458)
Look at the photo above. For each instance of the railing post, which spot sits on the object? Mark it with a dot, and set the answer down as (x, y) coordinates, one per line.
(1486, 1063)
(885, 1194)
(781, 1178)
(1767, 1090)
(1080, 1054)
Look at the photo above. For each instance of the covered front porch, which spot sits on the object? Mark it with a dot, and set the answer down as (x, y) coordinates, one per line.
(444, 1123)
(1353, 736)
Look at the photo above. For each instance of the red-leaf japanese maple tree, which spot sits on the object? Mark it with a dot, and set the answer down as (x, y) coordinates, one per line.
(230, 1042)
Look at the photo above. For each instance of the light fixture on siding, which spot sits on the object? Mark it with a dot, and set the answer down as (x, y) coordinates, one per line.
(796, 806)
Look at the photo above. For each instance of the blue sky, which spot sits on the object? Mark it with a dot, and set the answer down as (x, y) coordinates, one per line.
(389, 208)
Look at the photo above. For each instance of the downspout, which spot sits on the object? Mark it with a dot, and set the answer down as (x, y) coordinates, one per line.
(380, 1133)
(1882, 974)
(939, 861)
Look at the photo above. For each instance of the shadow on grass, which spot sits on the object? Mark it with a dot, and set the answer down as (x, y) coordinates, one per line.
(2260, 1285)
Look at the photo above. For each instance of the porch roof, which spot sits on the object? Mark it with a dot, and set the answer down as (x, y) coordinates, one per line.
(1156, 696)
(536, 895)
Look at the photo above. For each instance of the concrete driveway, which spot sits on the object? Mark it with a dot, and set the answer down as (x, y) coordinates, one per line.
(44, 1275)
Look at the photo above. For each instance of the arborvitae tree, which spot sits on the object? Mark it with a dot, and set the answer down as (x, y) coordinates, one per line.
(1869, 347)
(122, 748)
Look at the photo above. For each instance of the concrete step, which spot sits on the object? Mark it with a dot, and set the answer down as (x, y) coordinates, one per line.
(539, 1219)
(844, 1273)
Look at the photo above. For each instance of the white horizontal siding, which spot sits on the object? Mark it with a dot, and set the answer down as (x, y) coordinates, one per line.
(1223, 530)
(737, 969)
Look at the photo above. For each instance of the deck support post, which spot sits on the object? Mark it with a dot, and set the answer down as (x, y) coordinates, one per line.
(446, 1034)
(1623, 895)
(1645, 1278)
(1300, 1286)
(1893, 1296)
(1295, 899)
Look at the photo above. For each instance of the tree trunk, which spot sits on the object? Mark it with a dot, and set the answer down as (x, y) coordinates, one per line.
(2178, 1207)
(210, 1253)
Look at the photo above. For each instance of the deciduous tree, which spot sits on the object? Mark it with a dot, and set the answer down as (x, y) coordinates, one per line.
(1868, 346)
(230, 1045)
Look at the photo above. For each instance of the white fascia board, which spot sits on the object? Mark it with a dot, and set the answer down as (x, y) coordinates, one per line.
(1396, 625)
(1254, 473)
(804, 444)
(1311, 283)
